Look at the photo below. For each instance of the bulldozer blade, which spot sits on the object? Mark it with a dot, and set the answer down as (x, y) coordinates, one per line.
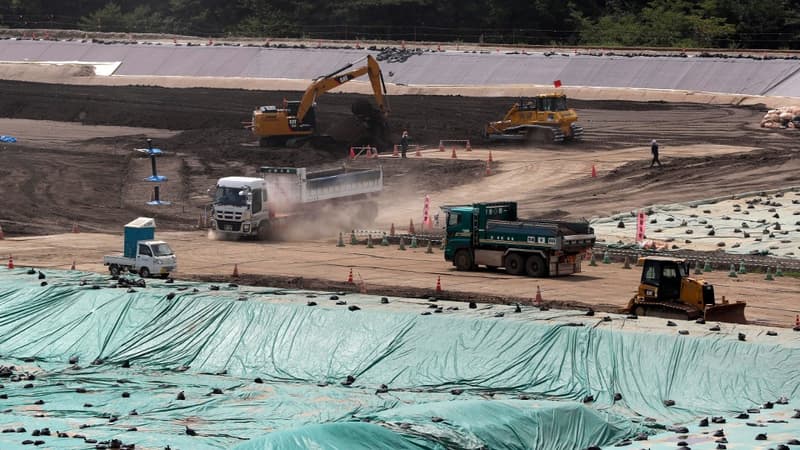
(726, 312)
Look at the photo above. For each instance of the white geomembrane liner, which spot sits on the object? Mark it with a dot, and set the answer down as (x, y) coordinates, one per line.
(773, 77)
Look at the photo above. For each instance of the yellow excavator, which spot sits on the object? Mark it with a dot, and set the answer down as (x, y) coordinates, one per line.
(542, 119)
(667, 290)
(295, 121)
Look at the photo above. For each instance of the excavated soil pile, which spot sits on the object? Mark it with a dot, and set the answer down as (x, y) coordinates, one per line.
(96, 183)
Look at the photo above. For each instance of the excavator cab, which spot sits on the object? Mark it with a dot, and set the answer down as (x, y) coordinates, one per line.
(667, 290)
(308, 123)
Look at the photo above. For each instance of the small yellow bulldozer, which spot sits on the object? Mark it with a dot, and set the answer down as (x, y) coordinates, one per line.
(542, 119)
(667, 290)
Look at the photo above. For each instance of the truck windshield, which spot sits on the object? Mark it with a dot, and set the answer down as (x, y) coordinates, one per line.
(161, 250)
(229, 196)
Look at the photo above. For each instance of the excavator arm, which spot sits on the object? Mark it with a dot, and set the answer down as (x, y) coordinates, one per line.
(326, 83)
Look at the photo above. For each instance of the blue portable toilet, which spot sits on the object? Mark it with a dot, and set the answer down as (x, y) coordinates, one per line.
(141, 229)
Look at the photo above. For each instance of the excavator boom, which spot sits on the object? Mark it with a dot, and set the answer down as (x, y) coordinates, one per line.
(273, 124)
(333, 80)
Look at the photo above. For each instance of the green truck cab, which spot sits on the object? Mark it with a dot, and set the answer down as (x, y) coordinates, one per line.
(491, 235)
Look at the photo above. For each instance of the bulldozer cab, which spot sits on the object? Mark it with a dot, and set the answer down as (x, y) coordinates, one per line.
(544, 102)
(553, 103)
(662, 277)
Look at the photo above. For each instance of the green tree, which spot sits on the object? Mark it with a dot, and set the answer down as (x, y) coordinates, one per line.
(107, 18)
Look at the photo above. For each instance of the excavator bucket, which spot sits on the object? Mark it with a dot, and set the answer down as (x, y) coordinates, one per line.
(726, 312)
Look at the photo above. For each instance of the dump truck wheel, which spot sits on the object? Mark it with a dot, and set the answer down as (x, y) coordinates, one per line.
(144, 272)
(515, 264)
(263, 231)
(463, 260)
(640, 311)
(114, 270)
(535, 266)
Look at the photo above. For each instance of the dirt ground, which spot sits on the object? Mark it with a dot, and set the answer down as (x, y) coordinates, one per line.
(74, 164)
(389, 271)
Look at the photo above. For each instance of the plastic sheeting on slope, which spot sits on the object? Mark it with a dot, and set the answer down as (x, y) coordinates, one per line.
(176, 339)
(723, 75)
(471, 424)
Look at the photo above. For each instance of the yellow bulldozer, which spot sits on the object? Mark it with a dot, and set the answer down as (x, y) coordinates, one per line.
(667, 290)
(295, 121)
(544, 118)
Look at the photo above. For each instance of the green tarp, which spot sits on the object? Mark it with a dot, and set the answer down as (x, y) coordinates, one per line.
(516, 381)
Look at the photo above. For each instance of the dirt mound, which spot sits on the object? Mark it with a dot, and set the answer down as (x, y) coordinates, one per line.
(98, 182)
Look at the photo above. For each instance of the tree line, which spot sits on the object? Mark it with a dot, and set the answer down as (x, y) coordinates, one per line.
(728, 24)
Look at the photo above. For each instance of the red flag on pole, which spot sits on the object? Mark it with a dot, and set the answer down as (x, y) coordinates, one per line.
(557, 83)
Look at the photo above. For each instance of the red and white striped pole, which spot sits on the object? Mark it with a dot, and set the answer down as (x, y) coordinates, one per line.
(426, 218)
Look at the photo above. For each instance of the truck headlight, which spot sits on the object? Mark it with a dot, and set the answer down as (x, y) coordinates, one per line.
(245, 227)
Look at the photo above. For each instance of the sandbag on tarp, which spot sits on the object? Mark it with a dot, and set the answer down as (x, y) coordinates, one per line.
(177, 336)
(293, 342)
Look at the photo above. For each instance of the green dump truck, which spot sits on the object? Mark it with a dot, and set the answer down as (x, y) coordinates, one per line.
(491, 235)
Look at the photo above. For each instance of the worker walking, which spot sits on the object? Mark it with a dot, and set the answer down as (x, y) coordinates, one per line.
(404, 144)
(654, 151)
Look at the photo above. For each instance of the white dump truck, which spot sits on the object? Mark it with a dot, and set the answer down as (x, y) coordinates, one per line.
(256, 207)
(142, 254)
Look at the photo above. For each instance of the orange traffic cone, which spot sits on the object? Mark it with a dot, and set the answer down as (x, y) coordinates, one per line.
(453, 155)
(538, 300)
(594, 172)
(490, 156)
(235, 273)
(391, 230)
(488, 168)
(439, 284)
(72, 267)
(469, 147)
(411, 226)
(2, 235)
(797, 320)
(418, 153)
(350, 277)
(394, 151)
(441, 146)
(10, 261)
(352, 153)
(75, 227)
